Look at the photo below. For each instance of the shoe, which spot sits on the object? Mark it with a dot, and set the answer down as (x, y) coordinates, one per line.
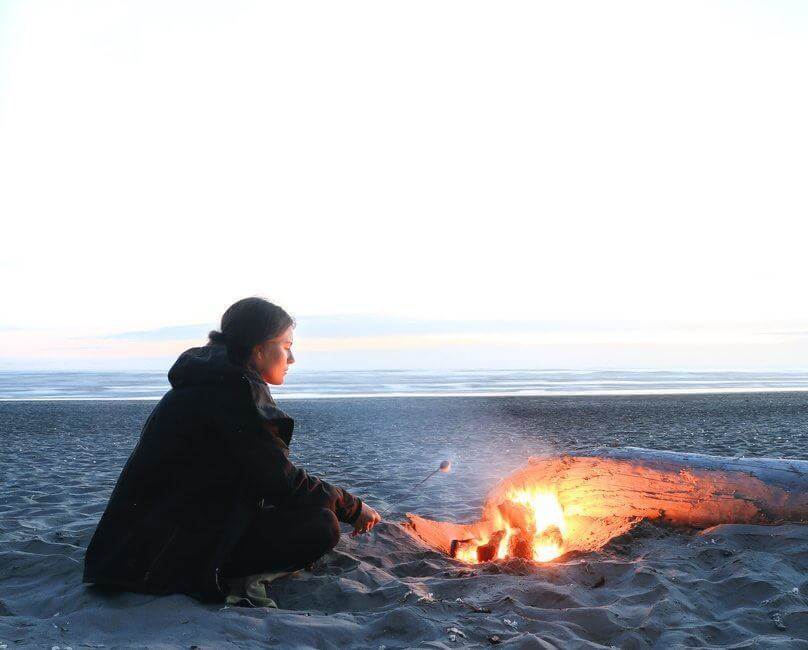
(253, 590)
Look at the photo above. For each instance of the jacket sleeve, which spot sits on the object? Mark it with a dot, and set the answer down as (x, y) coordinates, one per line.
(263, 458)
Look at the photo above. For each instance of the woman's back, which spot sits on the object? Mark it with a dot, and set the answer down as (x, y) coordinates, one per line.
(178, 482)
(213, 450)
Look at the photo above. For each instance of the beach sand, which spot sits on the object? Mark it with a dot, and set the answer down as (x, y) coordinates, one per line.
(728, 586)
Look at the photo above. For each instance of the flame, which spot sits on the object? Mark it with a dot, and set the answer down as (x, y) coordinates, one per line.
(468, 555)
(544, 511)
(530, 515)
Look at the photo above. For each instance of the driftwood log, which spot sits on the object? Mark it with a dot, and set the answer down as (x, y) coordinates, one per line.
(605, 492)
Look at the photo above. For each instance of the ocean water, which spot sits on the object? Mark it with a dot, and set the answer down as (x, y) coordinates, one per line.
(302, 384)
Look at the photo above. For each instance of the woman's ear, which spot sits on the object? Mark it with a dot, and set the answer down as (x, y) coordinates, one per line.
(257, 356)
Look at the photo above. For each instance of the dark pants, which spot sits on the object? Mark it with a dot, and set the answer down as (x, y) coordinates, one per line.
(283, 539)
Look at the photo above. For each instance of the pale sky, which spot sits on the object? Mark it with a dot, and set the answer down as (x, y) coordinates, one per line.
(566, 162)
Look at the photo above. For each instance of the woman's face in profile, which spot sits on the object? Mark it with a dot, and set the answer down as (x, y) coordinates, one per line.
(272, 358)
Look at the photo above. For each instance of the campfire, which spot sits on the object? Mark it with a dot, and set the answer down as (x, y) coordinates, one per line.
(529, 523)
(558, 505)
(534, 515)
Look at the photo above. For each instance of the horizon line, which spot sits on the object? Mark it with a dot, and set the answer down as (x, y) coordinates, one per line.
(548, 394)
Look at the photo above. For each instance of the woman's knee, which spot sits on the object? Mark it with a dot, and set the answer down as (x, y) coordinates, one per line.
(329, 528)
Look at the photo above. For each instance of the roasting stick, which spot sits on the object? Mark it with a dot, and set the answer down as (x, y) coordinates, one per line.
(445, 466)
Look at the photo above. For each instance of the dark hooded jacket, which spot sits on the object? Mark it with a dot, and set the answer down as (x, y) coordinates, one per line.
(213, 451)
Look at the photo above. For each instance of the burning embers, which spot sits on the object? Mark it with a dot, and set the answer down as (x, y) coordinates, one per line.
(527, 523)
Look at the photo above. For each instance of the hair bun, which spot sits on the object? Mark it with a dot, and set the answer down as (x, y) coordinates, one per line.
(215, 336)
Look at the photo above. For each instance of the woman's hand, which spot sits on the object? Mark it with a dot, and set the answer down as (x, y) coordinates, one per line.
(367, 519)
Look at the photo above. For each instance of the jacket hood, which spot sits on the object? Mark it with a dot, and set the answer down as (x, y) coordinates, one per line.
(210, 365)
(206, 365)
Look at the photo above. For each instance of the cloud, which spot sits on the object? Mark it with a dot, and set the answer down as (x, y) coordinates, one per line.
(171, 333)
(378, 341)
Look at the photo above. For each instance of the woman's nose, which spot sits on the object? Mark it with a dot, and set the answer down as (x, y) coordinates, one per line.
(291, 358)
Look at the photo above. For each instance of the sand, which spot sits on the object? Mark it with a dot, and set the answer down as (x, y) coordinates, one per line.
(727, 586)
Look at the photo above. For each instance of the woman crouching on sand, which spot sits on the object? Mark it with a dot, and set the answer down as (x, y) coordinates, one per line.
(208, 496)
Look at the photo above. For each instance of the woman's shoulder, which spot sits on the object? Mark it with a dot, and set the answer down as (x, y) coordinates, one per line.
(204, 400)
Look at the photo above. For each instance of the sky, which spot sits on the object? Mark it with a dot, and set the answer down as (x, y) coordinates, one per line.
(421, 184)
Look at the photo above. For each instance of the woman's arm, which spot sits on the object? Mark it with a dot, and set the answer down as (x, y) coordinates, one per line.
(262, 456)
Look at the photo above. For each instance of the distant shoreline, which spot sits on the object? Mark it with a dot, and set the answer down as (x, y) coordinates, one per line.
(293, 396)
